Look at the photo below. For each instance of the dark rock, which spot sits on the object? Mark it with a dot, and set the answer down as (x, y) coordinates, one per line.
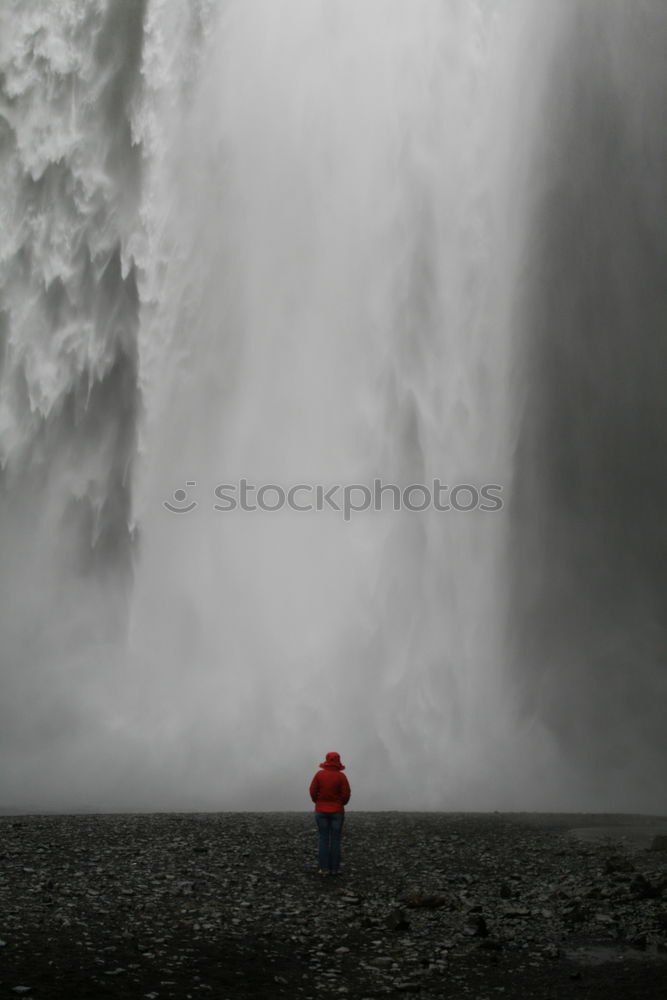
(574, 914)
(415, 900)
(617, 863)
(491, 944)
(382, 962)
(397, 921)
(476, 926)
(659, 843)
(641, 888)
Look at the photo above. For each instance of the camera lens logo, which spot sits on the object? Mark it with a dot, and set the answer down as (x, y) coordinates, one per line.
(180, 497)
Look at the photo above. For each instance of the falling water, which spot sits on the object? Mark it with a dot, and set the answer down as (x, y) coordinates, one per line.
(316, 243)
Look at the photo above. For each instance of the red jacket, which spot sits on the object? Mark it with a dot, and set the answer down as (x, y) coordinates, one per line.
(330, 790)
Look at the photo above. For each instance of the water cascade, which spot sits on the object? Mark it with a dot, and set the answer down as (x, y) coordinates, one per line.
(319, 244)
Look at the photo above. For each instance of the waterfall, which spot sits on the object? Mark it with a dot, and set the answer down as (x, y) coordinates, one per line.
(321, 243)
(334, 311)
(70, 191)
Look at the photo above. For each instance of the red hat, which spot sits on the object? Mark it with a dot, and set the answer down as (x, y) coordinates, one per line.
(333, 760)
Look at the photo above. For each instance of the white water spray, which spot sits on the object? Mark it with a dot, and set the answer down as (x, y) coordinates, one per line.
(335, 310)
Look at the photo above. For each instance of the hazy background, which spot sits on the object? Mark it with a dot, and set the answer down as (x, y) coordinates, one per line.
(324, 242)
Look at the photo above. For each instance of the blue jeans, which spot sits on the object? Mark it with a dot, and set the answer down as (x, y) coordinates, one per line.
(330, 828)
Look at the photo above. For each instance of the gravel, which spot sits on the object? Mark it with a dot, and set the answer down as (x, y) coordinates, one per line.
(230, 906)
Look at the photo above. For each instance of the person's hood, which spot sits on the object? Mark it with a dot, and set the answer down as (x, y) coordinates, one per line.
(332, 760)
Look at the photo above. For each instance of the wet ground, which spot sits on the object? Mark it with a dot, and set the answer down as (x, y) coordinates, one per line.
(430, 905)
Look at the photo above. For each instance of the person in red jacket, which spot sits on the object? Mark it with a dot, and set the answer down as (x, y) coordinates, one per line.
(330, 791)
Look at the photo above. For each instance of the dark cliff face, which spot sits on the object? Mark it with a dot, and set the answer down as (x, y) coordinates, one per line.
(589, 530)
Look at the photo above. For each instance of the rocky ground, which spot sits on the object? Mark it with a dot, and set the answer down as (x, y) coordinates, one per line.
(429, 905)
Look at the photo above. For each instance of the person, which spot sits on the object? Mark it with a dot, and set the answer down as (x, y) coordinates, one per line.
(330, 791)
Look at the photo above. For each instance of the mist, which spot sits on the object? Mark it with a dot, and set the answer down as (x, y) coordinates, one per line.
(321, 243)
